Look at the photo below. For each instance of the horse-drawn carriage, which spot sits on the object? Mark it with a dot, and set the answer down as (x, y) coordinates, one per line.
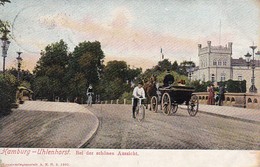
(172, 96)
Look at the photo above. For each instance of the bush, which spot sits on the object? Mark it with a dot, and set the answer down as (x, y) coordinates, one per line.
(200, 87)
(127, 96)
(8, 87)
(236, 86)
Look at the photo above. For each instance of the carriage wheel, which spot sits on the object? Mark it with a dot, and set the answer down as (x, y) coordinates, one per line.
(174, 108)
(154, 104)
(166, 104)
(193, 105)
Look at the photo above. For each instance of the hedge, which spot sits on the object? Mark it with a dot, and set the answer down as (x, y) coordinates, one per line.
(8, 87)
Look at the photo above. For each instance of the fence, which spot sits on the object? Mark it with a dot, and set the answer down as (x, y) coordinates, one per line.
(117, 101)
(245, 100)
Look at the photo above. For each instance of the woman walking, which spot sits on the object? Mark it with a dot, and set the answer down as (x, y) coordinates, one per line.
(211, 100)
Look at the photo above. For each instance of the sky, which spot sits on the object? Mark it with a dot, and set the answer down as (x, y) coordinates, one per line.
(131, 30)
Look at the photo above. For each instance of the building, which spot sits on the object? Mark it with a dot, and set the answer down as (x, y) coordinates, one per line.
(216, 64)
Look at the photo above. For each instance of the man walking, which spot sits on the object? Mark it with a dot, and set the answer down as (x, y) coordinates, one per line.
(221, 95)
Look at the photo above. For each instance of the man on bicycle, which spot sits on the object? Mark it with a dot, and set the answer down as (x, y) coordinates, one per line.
(137, 93)
(89, 94)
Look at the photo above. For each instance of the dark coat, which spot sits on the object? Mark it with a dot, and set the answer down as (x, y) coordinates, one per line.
(168, 79)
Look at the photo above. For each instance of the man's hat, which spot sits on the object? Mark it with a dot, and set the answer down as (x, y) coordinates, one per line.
(167, 71)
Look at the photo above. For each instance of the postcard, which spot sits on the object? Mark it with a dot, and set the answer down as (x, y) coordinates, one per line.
(130, 83)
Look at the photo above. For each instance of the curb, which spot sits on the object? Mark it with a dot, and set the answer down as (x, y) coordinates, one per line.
(91, 134)
(230, 117)
(226, 116)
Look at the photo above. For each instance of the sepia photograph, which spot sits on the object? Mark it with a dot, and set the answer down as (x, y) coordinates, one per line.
(130, 83)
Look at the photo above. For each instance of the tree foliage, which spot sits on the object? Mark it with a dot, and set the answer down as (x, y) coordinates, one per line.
(50, 70)
(2, 2)
(116, 79)
(236, 86)
(8, 87)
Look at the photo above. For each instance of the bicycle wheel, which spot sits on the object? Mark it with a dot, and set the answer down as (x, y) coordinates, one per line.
(90, 101)
(140, 113)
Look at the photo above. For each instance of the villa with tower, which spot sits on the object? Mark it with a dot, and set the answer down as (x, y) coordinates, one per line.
(216, 64)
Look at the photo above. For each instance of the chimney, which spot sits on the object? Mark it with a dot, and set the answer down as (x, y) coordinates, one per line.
(199, 48)
(230, 46)
(209, 46)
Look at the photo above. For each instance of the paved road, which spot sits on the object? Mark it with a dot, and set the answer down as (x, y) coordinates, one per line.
(47, 124)
(118, 130)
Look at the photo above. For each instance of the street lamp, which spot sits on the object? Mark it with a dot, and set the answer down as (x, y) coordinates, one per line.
(19, 60)
(252, 89)
(5, 46)
(248, 59)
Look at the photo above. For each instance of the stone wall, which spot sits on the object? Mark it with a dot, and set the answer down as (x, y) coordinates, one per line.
(245, 100)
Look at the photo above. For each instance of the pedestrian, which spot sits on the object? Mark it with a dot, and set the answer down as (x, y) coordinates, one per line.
(221, 95)
(211, 100)
(137, 93)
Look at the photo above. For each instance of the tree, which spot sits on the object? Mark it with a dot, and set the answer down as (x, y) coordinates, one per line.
(175, 66)
(2, 2)
(26, 77)
(41, 87)
(8, 87)
(236, 86)
(165, 65)
(52, 66)
(116, 79)
(4, 25)
(85, 67)
(183, 67)
(116, 70)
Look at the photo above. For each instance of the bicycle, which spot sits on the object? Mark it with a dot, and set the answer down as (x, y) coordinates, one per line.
(140, 110)
(89, 101)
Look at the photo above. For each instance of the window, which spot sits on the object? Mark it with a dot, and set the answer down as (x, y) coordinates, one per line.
(212, 77)
(240, 78)
(214, 62)
(223, 78)
(219, 63)
(203, 78)
(225, 63)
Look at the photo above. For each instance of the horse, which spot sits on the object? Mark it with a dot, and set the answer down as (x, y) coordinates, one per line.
(150, 89)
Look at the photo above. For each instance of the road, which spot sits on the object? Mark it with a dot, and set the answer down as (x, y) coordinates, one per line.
(180, 131)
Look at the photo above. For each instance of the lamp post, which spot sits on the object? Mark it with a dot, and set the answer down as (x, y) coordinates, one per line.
(5, 46)
(248, 59)
(19, 60)
(252, 89)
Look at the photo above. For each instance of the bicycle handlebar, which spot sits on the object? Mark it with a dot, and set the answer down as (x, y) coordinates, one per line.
(140, 100)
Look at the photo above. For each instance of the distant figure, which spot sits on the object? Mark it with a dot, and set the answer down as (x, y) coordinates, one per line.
(89, 95)
(90, 89)
(211, 100)
(168, 79)
(221, 95)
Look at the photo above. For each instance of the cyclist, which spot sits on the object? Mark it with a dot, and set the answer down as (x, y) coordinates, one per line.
(137, 93)
(89, 94)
